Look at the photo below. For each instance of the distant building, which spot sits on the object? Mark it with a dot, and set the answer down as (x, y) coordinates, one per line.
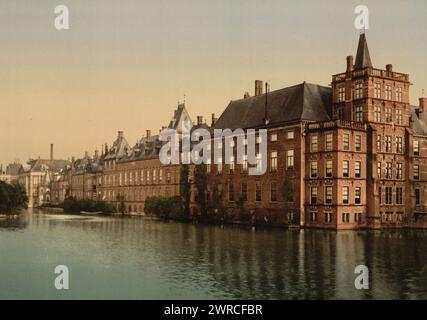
(37, 175)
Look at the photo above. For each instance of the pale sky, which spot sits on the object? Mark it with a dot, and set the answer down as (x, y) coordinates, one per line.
(123, 65)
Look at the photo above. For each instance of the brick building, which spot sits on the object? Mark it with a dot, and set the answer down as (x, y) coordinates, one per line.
(350, 155)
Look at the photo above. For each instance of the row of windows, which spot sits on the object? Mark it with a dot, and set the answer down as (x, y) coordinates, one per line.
(329, 195)
(390, 195)
(378, 92)
(378, 117)
(137, 177)
(258, 191)
(328, 217)
(134, 195)
(391, 217)
(290, 159)
(329, 166)
(387, 142)
(314, 142)
(387, 171)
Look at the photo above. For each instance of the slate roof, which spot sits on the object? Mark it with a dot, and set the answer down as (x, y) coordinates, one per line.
(363, 59)
(118, 150)
(419, 121)
(45, 164)
(304, 101)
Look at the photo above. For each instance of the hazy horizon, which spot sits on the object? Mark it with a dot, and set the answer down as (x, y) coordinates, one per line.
(125, 66)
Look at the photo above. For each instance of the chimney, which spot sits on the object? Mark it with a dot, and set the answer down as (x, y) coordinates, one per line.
(120, 134)
(258, 87)
(349, 63)
(199, 120)
(51, 152)
(213, 119)
(86, 154)
(389, 68)
(246, 95)
(73, 159)
(148, 133)
(423, 105)
(96, 154)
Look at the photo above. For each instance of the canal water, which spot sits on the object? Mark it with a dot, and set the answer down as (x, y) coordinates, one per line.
(139, 258)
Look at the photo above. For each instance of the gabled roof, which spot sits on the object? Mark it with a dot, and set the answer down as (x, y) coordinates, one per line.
(363, 59)
(119, 148)
(304, 101)
(419, 121)
(46, 164)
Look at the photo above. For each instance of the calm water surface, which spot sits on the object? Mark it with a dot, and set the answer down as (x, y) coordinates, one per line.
(137, 258)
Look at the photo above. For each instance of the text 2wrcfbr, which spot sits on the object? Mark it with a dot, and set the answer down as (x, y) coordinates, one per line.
(221, 309)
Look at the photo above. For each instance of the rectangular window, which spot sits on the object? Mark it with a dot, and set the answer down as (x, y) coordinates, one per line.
(388, 115)
(313, 195)
(388, 170)
(346, 141)
(399, 95)
(273, 161)
(341, 94)
(379, 142)
(273, 137)
(358, 142)
(230, 191)
(244, 191)
(417, 197)
(380, 194)
(219, 166)
(399, 171)
(290, 159)
(388, 92)
(388, 195)
(357, 195)
(388, 144)
(258, 190)
(273, 191)
(313, 169)
(314, 144)
(345, 195)
(245, 163)
(399, 144)
(399, 116)
(328, 142)
(346, 217)
(377, 113)
(358, 169)
(290, 135)
(328, 170)
(399, 195)
(328, 217)
(328, 195)
(231, 166)
(313, 216)
(358, 114)
(346, 168)
(416, 148)
(358, 217)
(377, 91)
(416, 169)
(359, 90)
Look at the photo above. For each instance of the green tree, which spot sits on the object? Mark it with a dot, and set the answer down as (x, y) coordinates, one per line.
(201, 182)
(122, 207)
(13, 198)
(185, 187)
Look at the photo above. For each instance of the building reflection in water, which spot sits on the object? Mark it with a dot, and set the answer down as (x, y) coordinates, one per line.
(234, 262)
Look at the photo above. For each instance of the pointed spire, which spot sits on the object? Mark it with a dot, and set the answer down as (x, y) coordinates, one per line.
(363, 59)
